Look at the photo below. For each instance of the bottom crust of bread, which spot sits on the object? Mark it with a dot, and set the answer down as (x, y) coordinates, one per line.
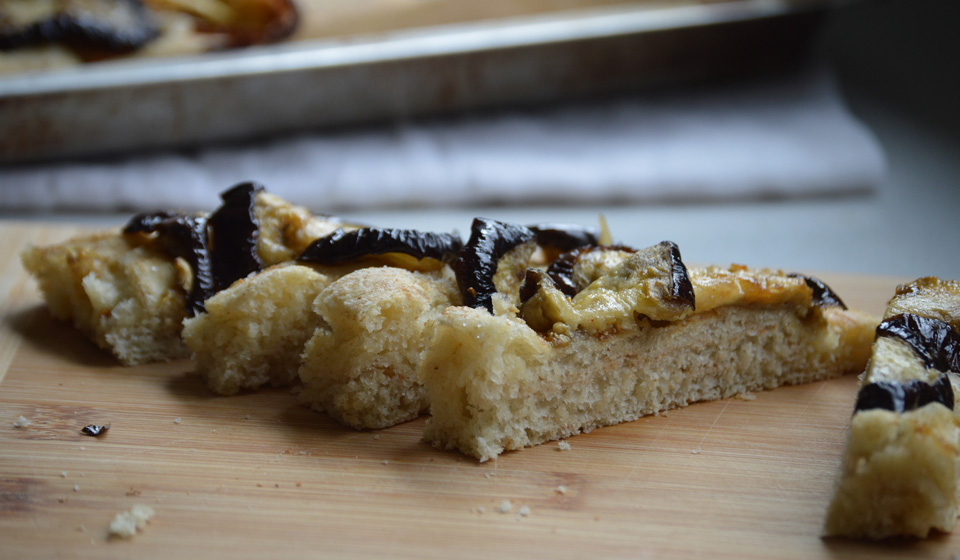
(494, 384)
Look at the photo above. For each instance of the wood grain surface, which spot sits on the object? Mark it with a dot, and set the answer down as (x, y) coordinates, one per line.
(257, 476)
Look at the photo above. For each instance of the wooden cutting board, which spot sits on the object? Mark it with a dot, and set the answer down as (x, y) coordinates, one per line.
(257, 476)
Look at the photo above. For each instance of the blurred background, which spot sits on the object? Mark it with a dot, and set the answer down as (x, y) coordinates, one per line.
(805, 135)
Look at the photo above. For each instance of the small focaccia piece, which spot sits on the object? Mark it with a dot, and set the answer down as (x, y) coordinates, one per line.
(360, 366)
(630, 342)
(900, 468)
(253, 332)
(127, 299)
(130, 295)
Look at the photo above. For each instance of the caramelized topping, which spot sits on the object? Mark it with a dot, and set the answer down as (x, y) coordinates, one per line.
(932, 339)
(823, 296)
(904, 397)
(478, 261)
(345, 246)
(652, 283)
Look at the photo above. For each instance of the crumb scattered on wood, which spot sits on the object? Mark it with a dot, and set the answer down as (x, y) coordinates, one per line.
(505, 506)
(133, 491)
(126, 524)
(481, 509)
(747, 397)
(563, 445)
(562, 490)
(177, 420)
(63, 474)
(22, 422)
(76, 487)
(524, 511)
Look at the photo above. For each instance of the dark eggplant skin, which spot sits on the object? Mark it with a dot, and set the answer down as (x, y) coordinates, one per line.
(233, 231)
(345, 246)
(220, 249)
(565, 237)
(904, 397)
(932, 339)
(183, 236)
(477, 264)
(823, 295)
(937, 344)
(114, 25)
(682, 288)
(531, 283)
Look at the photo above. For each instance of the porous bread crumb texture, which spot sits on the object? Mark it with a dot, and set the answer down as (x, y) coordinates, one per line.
(360, 367)
(126, 524)
(899, 474)
(496, 385)
(252, 333)
(124, 298)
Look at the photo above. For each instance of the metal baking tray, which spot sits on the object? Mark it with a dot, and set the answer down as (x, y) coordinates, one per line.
(114, 107)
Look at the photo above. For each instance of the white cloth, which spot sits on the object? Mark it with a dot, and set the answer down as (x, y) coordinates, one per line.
(790, 136)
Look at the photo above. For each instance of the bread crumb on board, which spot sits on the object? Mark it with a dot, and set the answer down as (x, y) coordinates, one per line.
(126, 524)
(504, 506)
(524, 511)
(747, 397)
(563, 445)
(22, 422)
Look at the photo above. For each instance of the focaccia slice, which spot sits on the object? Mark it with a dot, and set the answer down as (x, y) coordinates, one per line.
(899, 475)
(609, 334)
(129, 293)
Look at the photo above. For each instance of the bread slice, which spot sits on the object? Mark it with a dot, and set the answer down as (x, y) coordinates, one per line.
(361, 364)
(901, 464)
(129, 300)
(129, 296)
(623, 347)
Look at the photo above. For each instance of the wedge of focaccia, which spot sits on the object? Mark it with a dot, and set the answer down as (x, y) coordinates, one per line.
(130, 290)
(899, 475)
(608, 334)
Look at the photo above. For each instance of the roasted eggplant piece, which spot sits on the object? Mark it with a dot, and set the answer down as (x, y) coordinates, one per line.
(903, 397)
(823, 295)
(351, 246)
(933, 340)
(114, 25)
(232, 233)
(479, 261)
(650, 284)
(556, 239)
(574, 270)
(181, 236)
(220, 249)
